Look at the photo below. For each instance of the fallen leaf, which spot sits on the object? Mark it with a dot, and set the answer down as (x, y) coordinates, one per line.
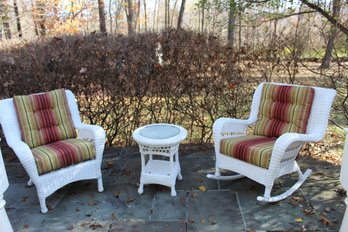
(117, 194)
(328, 209)
(202, 188)
(26, 226)
(109, 164)
(212, 220)
(190, 220)
(92, 203)
(95, 226)
(326, 221)
(308, 211)
(130, 199)
(298, 219)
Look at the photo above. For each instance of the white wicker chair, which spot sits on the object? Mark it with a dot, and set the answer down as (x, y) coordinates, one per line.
(285, 149)
(48, 183)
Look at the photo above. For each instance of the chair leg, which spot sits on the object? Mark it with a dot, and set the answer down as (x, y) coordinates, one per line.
(30, 182)
(100, 184)
(43, 205)
(267, 196)
(217, 176)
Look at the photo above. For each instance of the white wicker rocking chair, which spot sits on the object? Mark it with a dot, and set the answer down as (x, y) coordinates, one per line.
(49, 182)
(283, 151)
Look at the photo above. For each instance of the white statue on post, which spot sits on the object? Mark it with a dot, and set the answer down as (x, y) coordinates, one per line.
(5, 225)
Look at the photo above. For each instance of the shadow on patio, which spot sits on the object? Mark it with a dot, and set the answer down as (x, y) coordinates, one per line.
(223, 206)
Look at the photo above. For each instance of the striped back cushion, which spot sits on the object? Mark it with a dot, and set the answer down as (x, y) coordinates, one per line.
(283, 109)
(44, 118)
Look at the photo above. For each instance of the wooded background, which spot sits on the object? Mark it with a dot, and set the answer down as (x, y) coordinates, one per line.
(132, 62)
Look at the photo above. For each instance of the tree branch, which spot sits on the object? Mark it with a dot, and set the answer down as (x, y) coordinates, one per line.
(330, 18)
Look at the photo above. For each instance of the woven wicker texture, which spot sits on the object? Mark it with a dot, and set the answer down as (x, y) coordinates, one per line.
(285, 149)
(48, 183)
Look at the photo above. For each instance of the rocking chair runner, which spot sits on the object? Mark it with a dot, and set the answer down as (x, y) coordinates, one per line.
(285, 118)
(41, 130)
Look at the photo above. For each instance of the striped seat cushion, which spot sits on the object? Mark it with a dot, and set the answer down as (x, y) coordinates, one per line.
(253, 149)
(283, 109)
(44, 118)
(61, 154)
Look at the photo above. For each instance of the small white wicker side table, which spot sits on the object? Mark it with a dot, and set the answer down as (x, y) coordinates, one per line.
(159, 141)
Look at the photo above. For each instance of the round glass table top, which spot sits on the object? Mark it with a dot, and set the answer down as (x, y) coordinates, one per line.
(159, 131)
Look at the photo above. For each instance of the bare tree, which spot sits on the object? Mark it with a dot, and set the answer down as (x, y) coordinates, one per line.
(173, 13)
(334, 21)
(5, 19)
(110, 16)
(130, 17)
(18, 21)
(336, 8)
(166, 13)
(102, 23)
(41, 17)
(231, 22)
(145, 15)
(181, 14)
(154, 14)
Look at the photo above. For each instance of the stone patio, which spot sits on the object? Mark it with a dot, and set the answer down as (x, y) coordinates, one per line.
(224, 206)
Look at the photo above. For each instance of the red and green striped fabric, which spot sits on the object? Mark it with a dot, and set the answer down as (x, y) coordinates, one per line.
(44, 118)
(61, 154)
(253, 149)
(283, 109)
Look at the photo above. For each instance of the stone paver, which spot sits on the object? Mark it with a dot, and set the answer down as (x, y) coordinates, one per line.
(214, 211)
(224, 206)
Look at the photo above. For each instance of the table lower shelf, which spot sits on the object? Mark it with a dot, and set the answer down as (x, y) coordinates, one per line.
(161, 168)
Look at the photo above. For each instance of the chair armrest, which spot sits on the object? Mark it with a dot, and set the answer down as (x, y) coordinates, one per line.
(224, 128)
(91, 132)
(26, 158)
(284, 142)
(230, 127)
(94, 133)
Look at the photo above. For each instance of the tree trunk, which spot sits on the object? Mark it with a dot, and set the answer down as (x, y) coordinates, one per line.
(5, 19)
(154, 15)
(166, 13)
(231, 22)
(173, 13)
(36, 30)
(41, 17)
(336, 8)
(138, 16)
(230, 40)
(145, 15)
(239, 30)
(181, 14)
(110, 16)
(102, 23)
(202, 22)
(19, 28)
(130, 18)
